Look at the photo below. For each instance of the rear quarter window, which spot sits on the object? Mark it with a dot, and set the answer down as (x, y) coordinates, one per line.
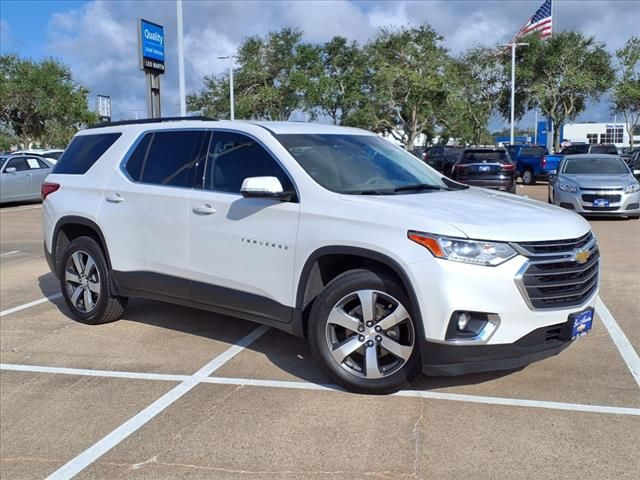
(83, 152)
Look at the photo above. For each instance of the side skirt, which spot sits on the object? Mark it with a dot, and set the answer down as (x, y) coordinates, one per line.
(212, 298)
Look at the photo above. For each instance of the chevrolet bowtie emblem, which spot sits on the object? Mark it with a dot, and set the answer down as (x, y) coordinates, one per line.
(581, 256)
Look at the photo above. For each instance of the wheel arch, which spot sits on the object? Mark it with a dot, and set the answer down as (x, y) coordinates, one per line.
(71, 227)
(311, 283)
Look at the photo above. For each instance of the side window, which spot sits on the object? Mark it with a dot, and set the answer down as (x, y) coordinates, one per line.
(234, 157)
(136, 160)
(36, 163)
(172, 158)
(20, 164)
(83, 152)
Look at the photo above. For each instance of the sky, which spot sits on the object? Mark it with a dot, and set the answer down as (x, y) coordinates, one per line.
(98, 39)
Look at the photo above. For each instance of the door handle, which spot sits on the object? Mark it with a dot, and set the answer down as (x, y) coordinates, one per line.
(114, 198)
(205, 209)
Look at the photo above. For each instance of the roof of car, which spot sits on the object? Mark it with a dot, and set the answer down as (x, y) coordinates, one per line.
(274, 127)
(593, 155)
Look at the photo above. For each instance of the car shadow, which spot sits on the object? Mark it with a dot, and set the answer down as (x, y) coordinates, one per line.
(285, 352)
(19, 204)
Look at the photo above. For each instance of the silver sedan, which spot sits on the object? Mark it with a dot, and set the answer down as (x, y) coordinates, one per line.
(21, 177)
(595, 184)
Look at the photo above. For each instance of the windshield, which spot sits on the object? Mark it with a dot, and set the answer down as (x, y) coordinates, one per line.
(361, 164)
(595, 166)
(484, 156)
(611, 149)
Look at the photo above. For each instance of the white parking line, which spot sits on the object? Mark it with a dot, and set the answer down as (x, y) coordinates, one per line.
(6, 254)
(621, 341)
(253, 382)
(94, 452)
(9, 311)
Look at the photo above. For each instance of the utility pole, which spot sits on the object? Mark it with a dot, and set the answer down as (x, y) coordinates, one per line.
(231, 97)
(183, 98)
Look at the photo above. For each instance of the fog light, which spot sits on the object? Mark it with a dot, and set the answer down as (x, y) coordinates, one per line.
(463, 320)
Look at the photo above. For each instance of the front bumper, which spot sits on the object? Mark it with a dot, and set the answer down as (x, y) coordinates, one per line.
(627, 205)
(521, 336)
(443, 359)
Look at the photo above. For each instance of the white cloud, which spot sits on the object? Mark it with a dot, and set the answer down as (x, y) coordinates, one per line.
(98, 40)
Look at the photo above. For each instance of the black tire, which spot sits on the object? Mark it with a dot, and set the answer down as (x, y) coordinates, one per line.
(107, 307)
(528, 178)
(335, 292)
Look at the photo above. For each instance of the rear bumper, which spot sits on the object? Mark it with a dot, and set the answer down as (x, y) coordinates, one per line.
(450, 359)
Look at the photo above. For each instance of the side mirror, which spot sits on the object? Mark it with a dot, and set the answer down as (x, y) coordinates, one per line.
(553, 172)
(264, 187)
(10, 170)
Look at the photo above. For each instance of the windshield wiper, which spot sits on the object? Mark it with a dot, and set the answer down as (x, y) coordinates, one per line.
(418, 186)
(368, 192)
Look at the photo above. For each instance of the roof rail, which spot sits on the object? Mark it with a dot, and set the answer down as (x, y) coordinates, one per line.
(142, 121)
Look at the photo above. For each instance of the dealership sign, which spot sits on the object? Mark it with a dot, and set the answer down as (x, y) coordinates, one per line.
(151, 46)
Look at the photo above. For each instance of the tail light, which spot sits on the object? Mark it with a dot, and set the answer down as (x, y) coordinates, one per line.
(543, 161)
(459, 167)
(48, 188)
(508, 167)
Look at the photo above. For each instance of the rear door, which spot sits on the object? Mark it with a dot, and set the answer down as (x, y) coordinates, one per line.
(145, 212)
(16, 184)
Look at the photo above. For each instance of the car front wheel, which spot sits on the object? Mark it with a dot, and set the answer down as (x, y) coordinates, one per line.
(528, 178)
(362, 333)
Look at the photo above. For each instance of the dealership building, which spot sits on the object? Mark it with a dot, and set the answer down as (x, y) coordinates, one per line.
(615, 133)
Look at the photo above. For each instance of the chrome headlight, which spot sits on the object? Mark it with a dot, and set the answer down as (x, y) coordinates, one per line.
(632, 188)
(476, 252)
(567, 187)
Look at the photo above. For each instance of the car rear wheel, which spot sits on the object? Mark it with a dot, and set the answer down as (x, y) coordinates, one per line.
(528, 178)
(362, 333)
(86, 285)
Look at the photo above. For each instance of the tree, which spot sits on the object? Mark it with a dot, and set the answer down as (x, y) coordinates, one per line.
(476, 86)
(405, 86)
(335, 77)
(625, 96)
(268, 83)
(33, 95)
(559, 76)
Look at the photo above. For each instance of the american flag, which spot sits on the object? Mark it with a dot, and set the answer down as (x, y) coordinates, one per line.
(540, 22)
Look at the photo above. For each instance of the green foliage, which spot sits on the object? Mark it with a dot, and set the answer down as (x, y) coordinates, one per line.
(40, 101)
(335, 76)
(559, 76)
(625, 96)
(406, 83)
(268, 82)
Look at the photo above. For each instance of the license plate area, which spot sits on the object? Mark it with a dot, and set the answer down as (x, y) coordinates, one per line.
(600, 203)
(580, 323)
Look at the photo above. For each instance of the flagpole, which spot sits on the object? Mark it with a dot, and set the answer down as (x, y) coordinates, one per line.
(513, 86)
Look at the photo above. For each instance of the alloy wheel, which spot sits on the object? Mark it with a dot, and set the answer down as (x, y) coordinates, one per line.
(82, 281)
(370, 334)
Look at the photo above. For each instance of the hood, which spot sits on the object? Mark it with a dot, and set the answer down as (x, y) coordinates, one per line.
(598, 181)
(484, 214)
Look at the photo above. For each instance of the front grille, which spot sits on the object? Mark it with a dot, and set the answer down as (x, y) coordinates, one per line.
(590, 197)
(600, 209)
(553, 278)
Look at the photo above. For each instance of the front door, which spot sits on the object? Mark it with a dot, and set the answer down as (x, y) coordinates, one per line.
(16, 180)
(241, 250)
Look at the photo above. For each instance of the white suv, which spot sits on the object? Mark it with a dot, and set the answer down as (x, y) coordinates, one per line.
(387, 267)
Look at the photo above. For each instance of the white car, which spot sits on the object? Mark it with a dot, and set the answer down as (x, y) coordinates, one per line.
(387, 267)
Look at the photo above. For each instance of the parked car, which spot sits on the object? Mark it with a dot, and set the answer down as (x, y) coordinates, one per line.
(532, 162)
(580, 149)
(331, 233)
(21, 177)
(442, 157)
(485, 167)
(596, 184)
(52, 155)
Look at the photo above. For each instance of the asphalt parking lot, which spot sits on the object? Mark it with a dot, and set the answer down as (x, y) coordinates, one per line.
(172, 392)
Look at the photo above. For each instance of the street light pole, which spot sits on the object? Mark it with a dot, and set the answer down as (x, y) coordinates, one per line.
(231, 97)
(513, 86)
(183, 99)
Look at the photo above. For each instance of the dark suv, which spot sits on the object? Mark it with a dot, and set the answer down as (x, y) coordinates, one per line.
(485, 167)
(442, 157)
(581, 148)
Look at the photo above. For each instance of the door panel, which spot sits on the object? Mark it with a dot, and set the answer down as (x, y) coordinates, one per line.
(16, 185)
(243, 244)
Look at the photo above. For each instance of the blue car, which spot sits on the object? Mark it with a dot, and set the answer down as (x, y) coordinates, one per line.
(532, 162)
